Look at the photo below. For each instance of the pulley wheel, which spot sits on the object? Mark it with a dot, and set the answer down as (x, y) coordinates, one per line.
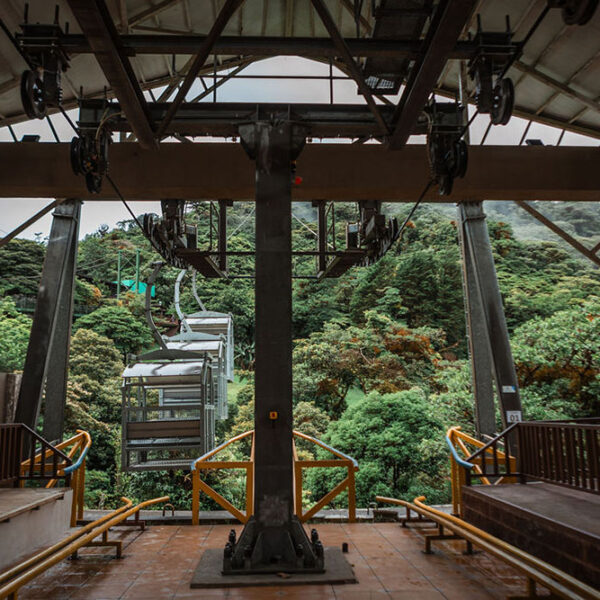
(461, 158)
(445, 184)
(32, 95)
(76, 154)
(93, 183)
(503, 102)
(578, 12)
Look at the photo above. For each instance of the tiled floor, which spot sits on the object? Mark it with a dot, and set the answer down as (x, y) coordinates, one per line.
(387, 560)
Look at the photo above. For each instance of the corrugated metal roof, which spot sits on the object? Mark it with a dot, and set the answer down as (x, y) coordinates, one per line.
(557, 78)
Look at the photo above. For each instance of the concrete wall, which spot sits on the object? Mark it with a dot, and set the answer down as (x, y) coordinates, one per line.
(34, 529)
(10, 384)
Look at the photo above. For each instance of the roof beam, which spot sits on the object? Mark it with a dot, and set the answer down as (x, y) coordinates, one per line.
(341, 172)
(347, 58)
(447, 24)
(205, 50)
(97, 25)
(318, 47)
(556, 85)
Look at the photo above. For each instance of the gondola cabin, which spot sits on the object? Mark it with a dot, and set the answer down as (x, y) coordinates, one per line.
(169, 410)
(214, 323)
(216, 348)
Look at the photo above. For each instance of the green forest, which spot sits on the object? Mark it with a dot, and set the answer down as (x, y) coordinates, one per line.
(380, 354)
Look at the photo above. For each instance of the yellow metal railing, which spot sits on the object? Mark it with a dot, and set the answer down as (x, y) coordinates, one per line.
(462, 446)
(204, 464)
(19, 575)
(348, 483)
(535, 570)
(76, 448)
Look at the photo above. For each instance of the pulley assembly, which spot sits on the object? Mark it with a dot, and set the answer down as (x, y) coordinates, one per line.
(89, 157)
(575, 12)
(40, 46)
(447, 151)
(494, 93)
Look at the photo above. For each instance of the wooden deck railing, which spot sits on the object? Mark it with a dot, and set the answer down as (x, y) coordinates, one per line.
(566, 454)
(560, 452)
(19, 447)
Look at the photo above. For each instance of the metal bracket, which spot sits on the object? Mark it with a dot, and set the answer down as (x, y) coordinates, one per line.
(40, 46)
(447, 151)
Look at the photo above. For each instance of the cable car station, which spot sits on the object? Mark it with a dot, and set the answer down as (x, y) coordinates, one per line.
(422, 71)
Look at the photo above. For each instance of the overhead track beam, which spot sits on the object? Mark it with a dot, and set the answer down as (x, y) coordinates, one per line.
(448, 21)
(97, 25)
(343, 172)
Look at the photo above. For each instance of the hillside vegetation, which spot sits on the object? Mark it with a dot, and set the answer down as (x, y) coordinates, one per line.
(380, 354)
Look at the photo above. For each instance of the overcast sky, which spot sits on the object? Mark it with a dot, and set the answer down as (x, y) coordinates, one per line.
(15, 211)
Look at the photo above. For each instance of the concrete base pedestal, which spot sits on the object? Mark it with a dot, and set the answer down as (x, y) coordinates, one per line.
(208, 573)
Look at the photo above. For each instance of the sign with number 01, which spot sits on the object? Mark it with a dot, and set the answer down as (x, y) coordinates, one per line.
(513, 416)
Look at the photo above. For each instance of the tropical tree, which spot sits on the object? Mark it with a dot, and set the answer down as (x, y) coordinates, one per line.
(129, 333)
(14, 336)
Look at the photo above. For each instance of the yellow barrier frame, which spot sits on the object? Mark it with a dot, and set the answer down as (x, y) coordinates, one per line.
(204, 464)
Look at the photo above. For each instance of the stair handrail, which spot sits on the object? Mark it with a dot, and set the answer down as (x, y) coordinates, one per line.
(86, 448)
(455, 456)
(71, 547)
(489, 445)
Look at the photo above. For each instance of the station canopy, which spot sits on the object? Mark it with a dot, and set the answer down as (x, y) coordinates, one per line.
(557, 77)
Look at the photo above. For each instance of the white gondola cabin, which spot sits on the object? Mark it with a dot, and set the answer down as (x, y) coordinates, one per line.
(169, 407)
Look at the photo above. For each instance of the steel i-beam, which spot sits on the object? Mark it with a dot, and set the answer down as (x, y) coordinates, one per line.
(273, 540)
(47, 346)
(481, 278)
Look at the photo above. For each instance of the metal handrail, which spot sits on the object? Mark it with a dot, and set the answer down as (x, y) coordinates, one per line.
(72, 547)
(340, 460)
(82, 455)
(14, 571)
(220, 447)
(455, 456)
(326, 447)
(492, 442)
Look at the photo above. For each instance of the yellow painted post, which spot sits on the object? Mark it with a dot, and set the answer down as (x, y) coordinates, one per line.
(249, 490)
(81, 489)
(351, 494)
(195, 497)
(298, 488)
(462, 480)
(75, 488)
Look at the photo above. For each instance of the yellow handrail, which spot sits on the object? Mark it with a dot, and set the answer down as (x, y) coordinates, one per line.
(203, 463)
(79, 445)
(7, 575)
(459, 440)
(67, 550)
(554, 579)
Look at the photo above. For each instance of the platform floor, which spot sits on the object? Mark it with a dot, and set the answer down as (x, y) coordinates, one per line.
(387, 559)
(572, 508)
